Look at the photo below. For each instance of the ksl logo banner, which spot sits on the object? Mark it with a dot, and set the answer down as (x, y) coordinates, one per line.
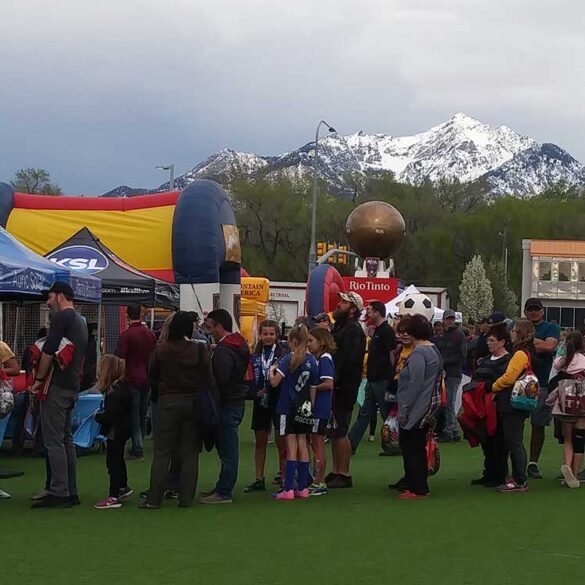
(82, 259)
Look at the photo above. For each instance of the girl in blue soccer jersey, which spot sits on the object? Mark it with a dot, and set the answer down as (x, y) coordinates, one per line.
(296, 372)
(321, 345)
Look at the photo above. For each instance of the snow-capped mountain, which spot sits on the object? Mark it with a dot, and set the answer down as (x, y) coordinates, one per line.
(461, 148)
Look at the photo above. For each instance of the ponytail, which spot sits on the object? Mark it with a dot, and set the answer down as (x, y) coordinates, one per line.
(300, 336)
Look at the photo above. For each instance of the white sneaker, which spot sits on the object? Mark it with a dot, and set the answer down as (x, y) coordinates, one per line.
(4, 495)
(40, 495)
(570, 478)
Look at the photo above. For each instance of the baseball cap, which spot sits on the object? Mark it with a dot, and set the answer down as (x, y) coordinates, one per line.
(351, 297)
(533, 302)
(496, 317)
(449, 314)
(60, 287)
(322, 318)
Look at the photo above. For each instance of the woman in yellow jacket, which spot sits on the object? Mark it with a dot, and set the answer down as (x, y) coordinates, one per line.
(511, 421)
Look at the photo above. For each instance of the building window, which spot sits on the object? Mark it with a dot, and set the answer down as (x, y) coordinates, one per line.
(564, 272)
(544, 271)
(553, 314)
(567, 317)
(581, 272)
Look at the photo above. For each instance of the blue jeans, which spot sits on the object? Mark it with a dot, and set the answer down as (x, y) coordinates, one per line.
(449, 417)
(373, 400)
(228, 449)
(140, 401)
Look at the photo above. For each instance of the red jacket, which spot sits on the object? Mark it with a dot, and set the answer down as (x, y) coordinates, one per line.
(479, 417)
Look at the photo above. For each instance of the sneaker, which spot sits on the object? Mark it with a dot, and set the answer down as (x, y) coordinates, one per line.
(492, 484)
(302, 494)
(215, 499)
(399, 485)
(40, 495)
(372, 438)
(135, 457)
(256, 486)
(569, 476)
(318, 489)
(206, 493)
(284, 495)
(52, 501)
(74, 500)
(4, 495)
(533, 471)
(512, 486)
(412, 496)
(108, 503)
(340, 481)
(479, 481)
(581, 476)
(171, 494)
(560, 477)
(144, 494)
(277, 479)
(126, 492)
(330, 477)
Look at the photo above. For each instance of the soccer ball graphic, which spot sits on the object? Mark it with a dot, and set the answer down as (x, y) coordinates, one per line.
(417, 304)
(306, 409)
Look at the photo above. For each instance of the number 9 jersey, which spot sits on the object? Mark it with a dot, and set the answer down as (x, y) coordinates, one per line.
(295, 382)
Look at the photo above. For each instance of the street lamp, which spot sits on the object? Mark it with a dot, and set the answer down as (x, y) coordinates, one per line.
(313, 248)
(171, 169)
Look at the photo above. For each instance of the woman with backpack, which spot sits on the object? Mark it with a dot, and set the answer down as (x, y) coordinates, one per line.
(418, 397)
(512, 419)
(570, 366)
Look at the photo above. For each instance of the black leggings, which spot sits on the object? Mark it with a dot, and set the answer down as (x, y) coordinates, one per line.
(116, 464)
(414, 454)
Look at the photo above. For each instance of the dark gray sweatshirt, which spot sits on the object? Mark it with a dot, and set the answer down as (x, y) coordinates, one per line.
(417, 382)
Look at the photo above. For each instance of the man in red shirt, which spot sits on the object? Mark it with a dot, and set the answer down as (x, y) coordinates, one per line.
(135, 346)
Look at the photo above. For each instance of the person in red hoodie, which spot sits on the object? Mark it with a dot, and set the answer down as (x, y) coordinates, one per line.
(230, 362)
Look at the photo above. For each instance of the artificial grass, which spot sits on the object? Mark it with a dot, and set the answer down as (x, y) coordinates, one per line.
(460, 535)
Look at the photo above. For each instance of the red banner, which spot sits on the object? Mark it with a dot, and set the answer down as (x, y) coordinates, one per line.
(372, 289)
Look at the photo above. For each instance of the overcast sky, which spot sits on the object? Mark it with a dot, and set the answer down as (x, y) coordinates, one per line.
(100, 91)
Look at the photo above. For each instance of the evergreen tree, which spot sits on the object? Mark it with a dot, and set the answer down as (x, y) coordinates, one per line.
(476, 298)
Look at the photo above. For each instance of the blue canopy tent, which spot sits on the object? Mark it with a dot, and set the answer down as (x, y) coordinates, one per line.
(24, 275)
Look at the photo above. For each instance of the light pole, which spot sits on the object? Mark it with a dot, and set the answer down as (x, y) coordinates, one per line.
(171, 169)
(313, 248)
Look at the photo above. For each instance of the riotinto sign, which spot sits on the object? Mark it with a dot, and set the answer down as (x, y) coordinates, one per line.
(379, 289)
(83, 259)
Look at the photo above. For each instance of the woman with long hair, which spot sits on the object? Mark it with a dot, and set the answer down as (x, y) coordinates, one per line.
(179, 370)
(296, 372)
(570, 366)
(512, 420)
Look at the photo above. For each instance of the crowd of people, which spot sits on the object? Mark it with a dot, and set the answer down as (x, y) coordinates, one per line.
(192, 384)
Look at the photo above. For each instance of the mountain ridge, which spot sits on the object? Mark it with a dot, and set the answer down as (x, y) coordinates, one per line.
(460, 148)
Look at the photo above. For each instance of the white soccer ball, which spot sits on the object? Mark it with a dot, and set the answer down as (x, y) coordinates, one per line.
(306, 409)
(417, 304)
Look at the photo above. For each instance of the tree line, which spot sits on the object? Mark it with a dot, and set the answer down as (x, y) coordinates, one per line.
(447, 224)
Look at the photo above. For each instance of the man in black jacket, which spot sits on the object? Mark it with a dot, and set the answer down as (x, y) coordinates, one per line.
(230, 363)
(453, 348)
(350, 340)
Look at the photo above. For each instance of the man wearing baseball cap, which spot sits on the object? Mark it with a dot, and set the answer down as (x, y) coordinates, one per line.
(546, 339)
(453, 348)
(350, 340)
(61, 396)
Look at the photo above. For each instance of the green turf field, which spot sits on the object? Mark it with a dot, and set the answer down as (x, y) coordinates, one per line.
(461, 535)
